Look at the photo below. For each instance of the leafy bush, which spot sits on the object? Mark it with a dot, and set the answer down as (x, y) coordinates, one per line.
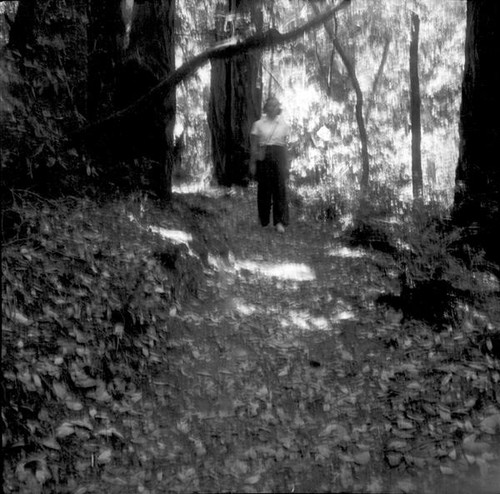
(35, 148)
(434, 282)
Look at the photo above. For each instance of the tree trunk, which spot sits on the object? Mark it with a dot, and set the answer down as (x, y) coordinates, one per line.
(416, 129)
(363, 136)
(365, 160)
(105, 30)
(235, 98)
(376, 81)
(22, 33)
(477, 190)
(138, 148)
(150, 56)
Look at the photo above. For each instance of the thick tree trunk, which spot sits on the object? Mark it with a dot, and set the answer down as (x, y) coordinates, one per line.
(477, 192)
(105, 29)
(235, 99)
(150, 57)
(416, 128)
(22, 33)
(137, 148)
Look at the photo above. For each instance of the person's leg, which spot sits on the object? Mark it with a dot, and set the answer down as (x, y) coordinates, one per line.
(280, 195)
(264, 191)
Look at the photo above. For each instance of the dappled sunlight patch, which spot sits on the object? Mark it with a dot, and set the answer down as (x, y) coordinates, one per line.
(241, 307)
(343, 312)
(320, 323)
(221, 264)
(348, 252)
(300, 319)
(204, 189)
(280, 270)
(345, 315)
(190, 188)
(177, 236)
(303, 321)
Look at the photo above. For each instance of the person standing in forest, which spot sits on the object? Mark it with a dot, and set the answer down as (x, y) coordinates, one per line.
(269, 164)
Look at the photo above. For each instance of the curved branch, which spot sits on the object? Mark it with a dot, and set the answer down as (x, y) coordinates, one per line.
(376, 81)
(227, 49)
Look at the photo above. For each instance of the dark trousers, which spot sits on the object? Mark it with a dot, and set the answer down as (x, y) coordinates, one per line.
(272, 175)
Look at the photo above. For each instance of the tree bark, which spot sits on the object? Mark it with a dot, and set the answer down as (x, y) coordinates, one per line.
(22, 33)
(138, 149)
(150, 57)
(105, 30)
(234, 99)
(477, 190)
(415, 102)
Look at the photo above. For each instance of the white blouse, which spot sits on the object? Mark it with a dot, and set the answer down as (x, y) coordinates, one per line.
(271, 132)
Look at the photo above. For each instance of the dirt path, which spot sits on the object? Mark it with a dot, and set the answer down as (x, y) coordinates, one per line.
(285, 376)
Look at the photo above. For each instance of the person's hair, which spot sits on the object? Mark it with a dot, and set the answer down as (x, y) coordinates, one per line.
(268, 102)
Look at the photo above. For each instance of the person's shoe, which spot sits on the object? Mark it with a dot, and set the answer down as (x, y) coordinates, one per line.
(280, 228)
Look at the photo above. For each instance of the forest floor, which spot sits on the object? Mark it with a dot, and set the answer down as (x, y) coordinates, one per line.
(284, 374)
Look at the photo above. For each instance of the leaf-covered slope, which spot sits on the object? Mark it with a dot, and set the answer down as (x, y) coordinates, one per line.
(281, 374)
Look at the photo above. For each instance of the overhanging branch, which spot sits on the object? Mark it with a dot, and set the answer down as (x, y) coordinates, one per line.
(260, 41)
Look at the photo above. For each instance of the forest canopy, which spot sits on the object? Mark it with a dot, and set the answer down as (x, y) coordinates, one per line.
(306, 71)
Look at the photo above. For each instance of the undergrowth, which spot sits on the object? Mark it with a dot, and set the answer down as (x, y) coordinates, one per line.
(438, 275)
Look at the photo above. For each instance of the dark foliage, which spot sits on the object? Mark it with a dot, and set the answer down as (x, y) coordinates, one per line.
(366, 234)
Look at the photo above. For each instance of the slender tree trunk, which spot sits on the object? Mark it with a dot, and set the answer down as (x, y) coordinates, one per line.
(376, 81)
(477, 190)
(416, 128)
(365, 160)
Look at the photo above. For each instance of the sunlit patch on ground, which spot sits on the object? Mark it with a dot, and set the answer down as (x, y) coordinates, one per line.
(343, 312)
(344, 315)
(203, 188)
(177, 236)
(241, 307)
(283, 270)
(189, 188)
(304, 321)
(347, 252)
